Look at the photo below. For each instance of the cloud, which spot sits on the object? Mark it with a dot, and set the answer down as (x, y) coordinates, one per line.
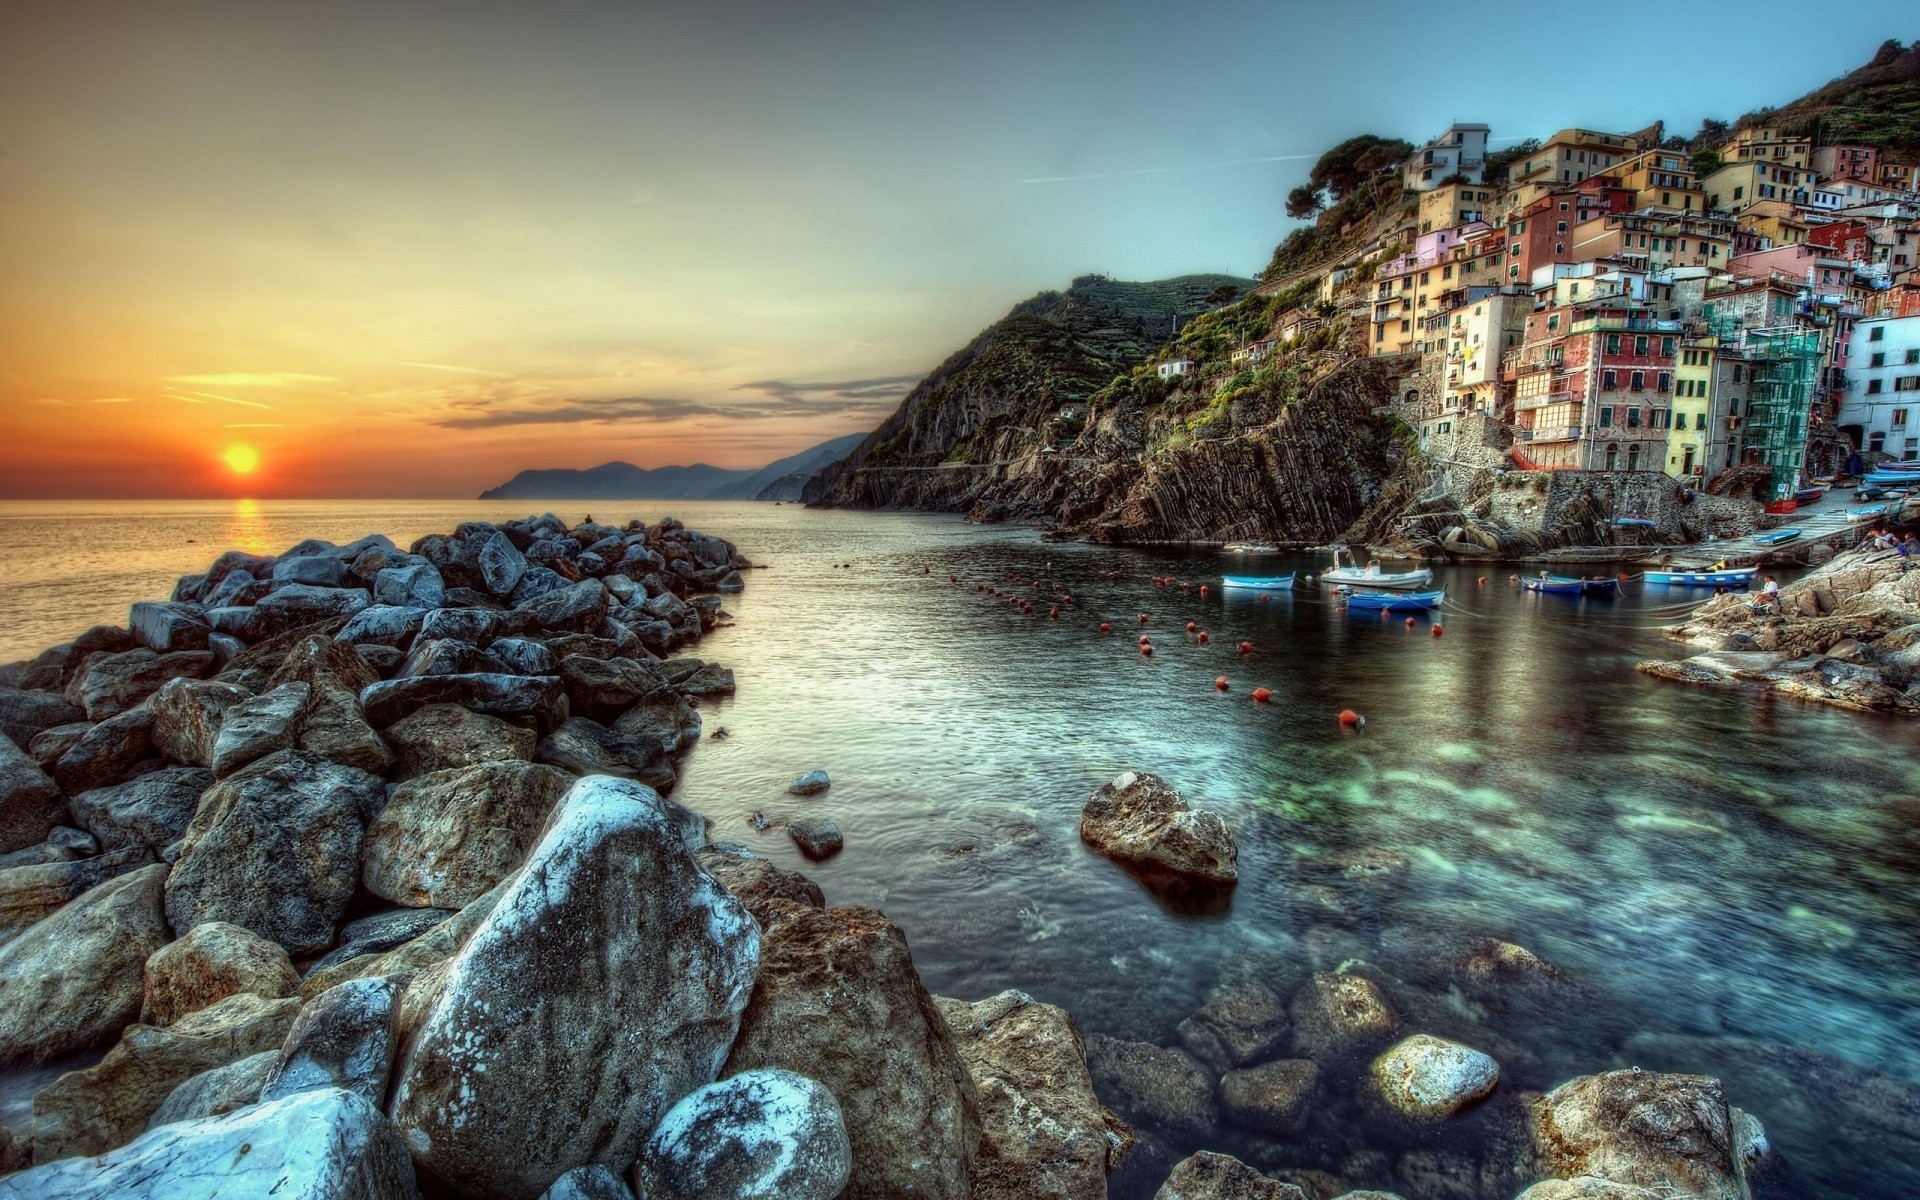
(786, 397)
(769, 399)
(262, 425)
(461, 370)
(254, 379)
(1233, 162)
(112, 400)
(180, 395)
(494, 414)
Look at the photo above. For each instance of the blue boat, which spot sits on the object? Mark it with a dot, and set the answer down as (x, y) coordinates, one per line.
(1258, 583)
(1600, 589)
(1738, 577)
(1554, 585)
(1395, 601)
(1862, 512)
(1776, 537)
(1634, 523)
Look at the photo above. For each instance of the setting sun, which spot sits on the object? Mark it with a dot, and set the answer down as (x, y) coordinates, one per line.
(242, 460)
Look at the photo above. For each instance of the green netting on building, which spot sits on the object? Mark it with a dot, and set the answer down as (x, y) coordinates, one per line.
(1783, 367)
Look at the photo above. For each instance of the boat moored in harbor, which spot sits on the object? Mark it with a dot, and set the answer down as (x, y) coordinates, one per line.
(1346, 571)
(1737, 577)
(1263, 583)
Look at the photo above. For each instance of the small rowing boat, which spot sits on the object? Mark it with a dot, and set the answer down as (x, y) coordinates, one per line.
(1395, 601)
(1263, 583)
(1776, 537)
(1737, 577)
(1600, 589)
(1250, 548)
(1351, 575)
(1807, 495)
(1554, 585)
(1863, 512)
(1634, 523)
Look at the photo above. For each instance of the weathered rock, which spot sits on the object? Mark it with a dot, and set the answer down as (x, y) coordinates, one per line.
(448, 656)
(152, 810)
(1589, 1187)
(1427, 1078)
(50, 745)
(443, 736)
(110, 684)
(298, 605)
(447, 837)
(810, 784)
(604, 986)
(759, 1133)
(1338, 1016)
(380, 933)
(1273, 1098)
(606, 687)
(817, 838)
(30, 802)
(1210, 1176)
(501, 565)
(186, 718)
(587, 747)
(166, 626)
(329, 1145)
(1671, 1132)
(106, 752)
(419, 955)
(332, 724)
(72, 981)
(276, 848)
(524, 656)
(255, 728)
(31, 893)
(1144, 823)
(1152, 1085)
(314, 570)
(1044, 1134)
(343, 1038)
(238, 589)
(578, 607)
(410, 585)
(216, 1092)
(383, 625)
(24, 715)
(36, 854)
(838, 1001)
(212, 961)
(1240, 1023)
(755, 882)
(709, 679)
(82, 843)
(588, 1183)
(540, 697)
(109, 1104)
(477, 626)
(664, 716)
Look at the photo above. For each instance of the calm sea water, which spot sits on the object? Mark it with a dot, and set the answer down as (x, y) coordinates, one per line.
(1733, 875)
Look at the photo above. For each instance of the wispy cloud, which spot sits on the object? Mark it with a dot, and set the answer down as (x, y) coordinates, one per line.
(429, 366)
(262, 425)
(112, 400)
(788, 397)
(495, 414)
(760, 400)
(179, 394)
(243, 379)
(1168, 169)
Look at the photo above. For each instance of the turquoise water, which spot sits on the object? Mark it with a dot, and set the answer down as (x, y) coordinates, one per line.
(1729, 879)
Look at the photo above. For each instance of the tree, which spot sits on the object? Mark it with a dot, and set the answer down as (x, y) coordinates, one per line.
(1341, 170)
(1706, 162)
(1303, 203)
(1500, 160)
(1223, 294)
(1712, 134)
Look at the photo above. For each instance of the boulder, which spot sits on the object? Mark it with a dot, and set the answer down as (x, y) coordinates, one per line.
(443, 736)
(817, 838)
(24, 715)
(31, 893)
(212, 961)
(383, 625)
(759, 1133)
(810, 784)
(1210, 1176)
(239, 589)
(1427, 1079)
(109, 1104)
(216, 1092)
(576, 608)
(588, 1183)
(605, 984)
(298, 605)
(106, 752)
(1337, 1017)
(332, 724)
(605, 687)
(838, 1001)
(477, 626)
(314, 570)
(380, 933)
(587, 747)
(152, 810)
(429, 949)
(410, 585)
(539, 697)
(110, 684)
(36, 854)
(755, 882)
(186, 718)
(709, 679)
(30, 802)
(1273, 1098)
(1589, 1187)
(445, 838)
(448, 656)
(1152, 1085)
(72, 981)
(329, 1145)
(1662, 1132)
(276, 848)
(664, 716)
(343, 1038)
(1143, 823)
(524, 656)
(501, 565)
(167, 626)
(1044, 1134)
(1241, 1023)
(257, 727)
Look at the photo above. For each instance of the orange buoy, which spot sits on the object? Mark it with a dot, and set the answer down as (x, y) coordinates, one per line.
(1191, 627)
(953, 579)
(1409, 622)
(1054, 613)
(1201, 637)
(1220, 683)
(1036, 585)
(1246, 647)
(1265, 599)
(1483, 581)
(1438, 630)
(1349, 718)
(1203, 589)
(1144, 639)
(1261, 695)
(1513, 579)
(1146, 650)
(1624, 577)
(1186, 587)
(1143, 618)
(1105, 627)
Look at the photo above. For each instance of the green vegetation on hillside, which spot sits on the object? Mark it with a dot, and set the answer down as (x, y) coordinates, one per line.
(1877, 105)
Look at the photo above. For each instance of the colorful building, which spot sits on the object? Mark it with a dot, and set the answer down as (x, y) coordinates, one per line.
(1461, 150)
(1840, 162)
(1593, 387)
(1738, 186)
(1768, 144)
(1881, 413)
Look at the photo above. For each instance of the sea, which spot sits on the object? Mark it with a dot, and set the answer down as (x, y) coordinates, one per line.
(1727, 879)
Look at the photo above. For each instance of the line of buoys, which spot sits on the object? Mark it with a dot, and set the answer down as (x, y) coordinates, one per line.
(1191, 627)
(1220, 683)
(1201, 637)
(1438, 630)
(1261, 695)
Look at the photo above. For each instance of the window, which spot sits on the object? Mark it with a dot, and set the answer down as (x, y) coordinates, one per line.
(1660, 419)
(1609, 381)
(1666, 347)
(1907, 383)
(1633, 418)
(1640, 347)
(1739, 372)
(1899, 420)
(1637, 381)
(1606, 417)
(1913, 356)
(1699, 420)
(1879, 359)
(1666, 382)
(1879, 334)
(1613, 343)
(1873, 387)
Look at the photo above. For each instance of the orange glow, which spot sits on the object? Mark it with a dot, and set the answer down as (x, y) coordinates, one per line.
(242, 460)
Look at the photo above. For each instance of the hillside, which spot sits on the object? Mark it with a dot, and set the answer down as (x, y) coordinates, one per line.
(1876, 105)
(780, 480)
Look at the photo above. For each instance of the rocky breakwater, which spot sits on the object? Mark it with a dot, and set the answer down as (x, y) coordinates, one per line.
(351, 873)
(1848, 634)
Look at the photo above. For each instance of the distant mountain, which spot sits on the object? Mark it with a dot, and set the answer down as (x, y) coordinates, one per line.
(623, 481)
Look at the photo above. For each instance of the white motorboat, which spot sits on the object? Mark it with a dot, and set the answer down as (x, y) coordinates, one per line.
(1250, 548)
(1346, 570)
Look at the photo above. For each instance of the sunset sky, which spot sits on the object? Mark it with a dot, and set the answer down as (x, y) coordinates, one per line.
(407, 249)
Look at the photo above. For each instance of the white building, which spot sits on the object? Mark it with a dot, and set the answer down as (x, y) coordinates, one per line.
(1461, 150)
(1175, 367)
(1881, 407)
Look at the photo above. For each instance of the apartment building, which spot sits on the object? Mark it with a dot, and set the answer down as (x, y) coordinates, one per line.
(1768, 144)
(1842, 162)
(1881, 412)
(1461, 150)
(1738, 186)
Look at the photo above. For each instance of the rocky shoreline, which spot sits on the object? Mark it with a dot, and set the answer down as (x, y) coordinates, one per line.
(351, 872)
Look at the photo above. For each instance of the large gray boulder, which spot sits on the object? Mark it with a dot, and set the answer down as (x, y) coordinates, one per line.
(1044, 1134)
(152, 810)
(276, 849)
(606, 687)
(410, 585)
(576, 608)
(255, 728)
(343, 1038)
(327, 1145)
(586, 747)
(1144, 823)
(24, 715)
(165, 626)
(1339, 1016)
(664, 716)
(186, 717)
(383, 625)
(759, 1133)
(540, 697)
(1273, 1098)
(332, 724)
(1163, 1089)
(445, 838)
(73, 980)
(838, 1000)
(1242, 1022)
(443, 736)
(110, 684)
(501, 565)
(29, 893)
(216, 1092)
(106, 752)
(298, 605)
(212, 961)
(1663, 1132)
(1425, 1079)
(1210, 1176)
(30, 801)
(605, 984)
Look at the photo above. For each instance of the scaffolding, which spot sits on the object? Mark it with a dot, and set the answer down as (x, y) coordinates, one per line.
(1783, 368)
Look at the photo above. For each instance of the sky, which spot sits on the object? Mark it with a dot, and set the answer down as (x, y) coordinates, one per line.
(407, 249)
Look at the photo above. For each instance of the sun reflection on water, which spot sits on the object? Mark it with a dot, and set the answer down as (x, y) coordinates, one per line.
(248, 528)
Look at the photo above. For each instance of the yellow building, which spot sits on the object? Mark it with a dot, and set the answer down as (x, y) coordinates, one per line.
(1662, 179)
(1691, 437)
(1776, 220)
(1768, 144)
(1453, 205)
(1741, 185)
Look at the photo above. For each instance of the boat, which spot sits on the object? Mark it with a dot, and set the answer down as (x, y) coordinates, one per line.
(1261, 583)
(1600, 589)
(1736, 577)
(1807, 495)
(1863, 512)
(1634, 523)
(1372, 577)
(1554, 585)
(1250, 548)
(1776, 537)
(1395, 601)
